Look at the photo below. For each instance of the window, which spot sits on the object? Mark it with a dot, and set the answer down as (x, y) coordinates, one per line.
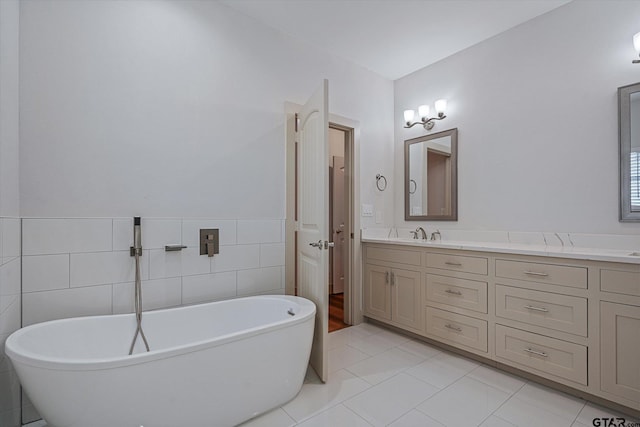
(635, 181)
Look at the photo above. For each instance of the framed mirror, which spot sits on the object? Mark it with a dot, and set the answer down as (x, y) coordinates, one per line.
(431, 177)
(629, 134)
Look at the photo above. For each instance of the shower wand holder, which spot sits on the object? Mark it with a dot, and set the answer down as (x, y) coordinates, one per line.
(132, 251)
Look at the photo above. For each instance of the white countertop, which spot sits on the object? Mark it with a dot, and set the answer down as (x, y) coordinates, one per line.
(594, 254)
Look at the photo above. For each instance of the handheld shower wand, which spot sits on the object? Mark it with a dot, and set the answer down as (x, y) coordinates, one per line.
(136, 251)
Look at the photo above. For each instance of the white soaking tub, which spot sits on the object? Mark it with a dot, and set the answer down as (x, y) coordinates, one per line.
(214, 364)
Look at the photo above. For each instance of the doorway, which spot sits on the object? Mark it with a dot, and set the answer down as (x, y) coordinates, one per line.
(352, 295)
(338, 226)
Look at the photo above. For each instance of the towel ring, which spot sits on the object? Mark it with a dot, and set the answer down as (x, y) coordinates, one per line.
(380, 186)
(415, 184)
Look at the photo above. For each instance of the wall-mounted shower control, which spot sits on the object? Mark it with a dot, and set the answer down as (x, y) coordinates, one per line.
(209, 241)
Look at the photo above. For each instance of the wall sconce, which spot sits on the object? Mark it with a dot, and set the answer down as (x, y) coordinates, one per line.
(423, 113)
(636, 45)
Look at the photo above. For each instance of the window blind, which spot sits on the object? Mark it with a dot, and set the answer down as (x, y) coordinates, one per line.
(635, 180)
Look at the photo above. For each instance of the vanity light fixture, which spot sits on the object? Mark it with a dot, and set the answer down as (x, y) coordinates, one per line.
(423, 114)
(636, 45)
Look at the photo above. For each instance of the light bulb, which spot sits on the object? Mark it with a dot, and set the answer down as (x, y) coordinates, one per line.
(636, 42)
(423, 111)
(408, 115)
(441, 106)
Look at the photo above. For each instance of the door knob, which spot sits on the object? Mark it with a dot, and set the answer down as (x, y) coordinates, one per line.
(319, 244)
(328, 244)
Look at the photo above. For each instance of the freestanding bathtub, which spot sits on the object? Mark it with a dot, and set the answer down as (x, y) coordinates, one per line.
(214, 364)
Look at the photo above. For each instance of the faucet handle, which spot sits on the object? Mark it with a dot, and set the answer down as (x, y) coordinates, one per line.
(415, 234)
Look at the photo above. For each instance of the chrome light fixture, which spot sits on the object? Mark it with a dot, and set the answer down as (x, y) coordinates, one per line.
(636, 45)
(423, 113)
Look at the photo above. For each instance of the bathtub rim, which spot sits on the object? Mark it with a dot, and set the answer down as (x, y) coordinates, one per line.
(19, 354)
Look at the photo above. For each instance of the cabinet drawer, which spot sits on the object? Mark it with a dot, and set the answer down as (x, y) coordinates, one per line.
(548, 355)
(620, 282)
(457, 329)
(398, 256)
(560, 312)
(469, 294)
(575, 277)
(465, 264)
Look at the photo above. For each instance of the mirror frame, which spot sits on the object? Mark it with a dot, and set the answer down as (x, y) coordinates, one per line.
(453, 133)
(624, 127)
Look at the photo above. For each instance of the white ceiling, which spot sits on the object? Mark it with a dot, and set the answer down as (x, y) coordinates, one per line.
(393, 37)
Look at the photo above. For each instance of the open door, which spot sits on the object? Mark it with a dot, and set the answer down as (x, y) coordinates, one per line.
(313, 218)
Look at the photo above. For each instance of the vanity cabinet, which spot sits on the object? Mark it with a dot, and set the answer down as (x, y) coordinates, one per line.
(572, 321)
(620, 350)
(393, 292)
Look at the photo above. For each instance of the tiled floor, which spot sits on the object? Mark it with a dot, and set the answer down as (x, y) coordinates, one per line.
(380, 378)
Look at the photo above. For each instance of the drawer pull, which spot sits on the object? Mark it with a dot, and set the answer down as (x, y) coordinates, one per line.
(531, 307)
(449, 291)
(535, 273)
(453, 328)
(538, 353)
(455, 264)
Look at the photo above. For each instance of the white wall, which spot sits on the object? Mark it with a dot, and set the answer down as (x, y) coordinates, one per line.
(174, 109)
(536, 110)
(10, 296)
(9, 124)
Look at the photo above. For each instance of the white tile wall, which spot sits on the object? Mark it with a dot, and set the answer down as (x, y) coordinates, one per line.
(82, 266)
(10, 314)
(271, 254)
(57, 236)
(48, 305)
(259, 280)
(208, 287)
(259, 231)
(159, 293)
(238, 257)
(45, 272)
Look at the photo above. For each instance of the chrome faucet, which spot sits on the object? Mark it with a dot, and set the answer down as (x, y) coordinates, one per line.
(433, 235)
(421, 230)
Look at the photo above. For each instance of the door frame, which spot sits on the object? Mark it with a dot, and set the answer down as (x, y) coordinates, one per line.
(353, 291)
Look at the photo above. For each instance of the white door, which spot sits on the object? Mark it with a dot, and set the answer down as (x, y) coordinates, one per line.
(338, 213)
(313, 218)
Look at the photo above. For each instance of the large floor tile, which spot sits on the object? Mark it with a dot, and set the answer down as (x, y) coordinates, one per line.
(591, 411)
(467, 402)
(337, 416)
(388, 401)
(420, 348)
(443, 369)
(378, 368)
(344, 356)
(550, 400)
(316, 396)
(275, 418)
(346, 335)
(376, 343)
(496, 378)
(494, 421)
(414, 419)
(525, 414)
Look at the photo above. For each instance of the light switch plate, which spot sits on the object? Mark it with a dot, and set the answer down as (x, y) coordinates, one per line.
(379, 217)
(366, 210)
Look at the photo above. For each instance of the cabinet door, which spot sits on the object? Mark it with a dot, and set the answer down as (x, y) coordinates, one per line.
(377, 291)
(406, 289)
(620, 346)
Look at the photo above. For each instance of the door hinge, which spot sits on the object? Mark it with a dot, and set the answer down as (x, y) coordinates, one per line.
(296, 122)
(351, 235)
